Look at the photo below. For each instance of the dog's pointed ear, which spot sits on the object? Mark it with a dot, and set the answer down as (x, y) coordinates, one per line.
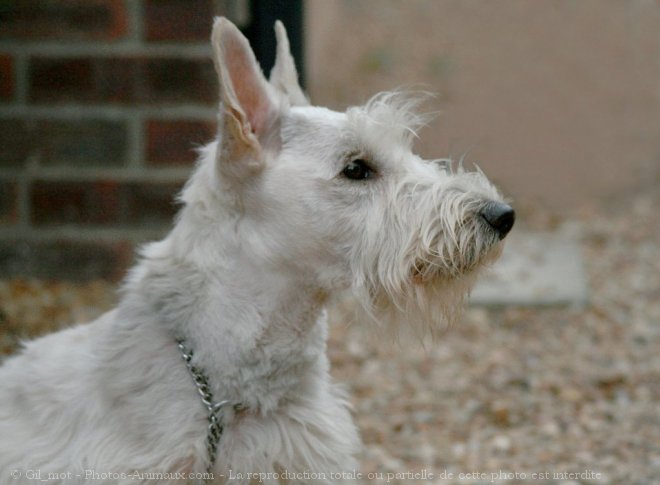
(284, 76)
(249, 109)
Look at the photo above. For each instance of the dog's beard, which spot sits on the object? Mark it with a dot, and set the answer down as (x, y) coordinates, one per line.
(464, 251)
(425, 309)
(425, 292)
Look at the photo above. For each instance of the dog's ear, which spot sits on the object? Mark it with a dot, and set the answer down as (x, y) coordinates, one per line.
(249, 110)
(284, 76)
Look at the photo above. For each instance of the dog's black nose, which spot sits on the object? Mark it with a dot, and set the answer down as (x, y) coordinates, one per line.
(500, 216)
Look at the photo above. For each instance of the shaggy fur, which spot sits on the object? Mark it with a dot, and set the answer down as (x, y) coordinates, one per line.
(271, 228)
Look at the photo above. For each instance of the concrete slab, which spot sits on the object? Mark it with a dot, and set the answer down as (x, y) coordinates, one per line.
(536, 269)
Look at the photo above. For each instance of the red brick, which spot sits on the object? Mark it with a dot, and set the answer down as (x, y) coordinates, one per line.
(7, 78)
(63, 19)
(83, 143)
(150, 204)
(118, 80)
(103, 203)
(172, 142)
(122, 80)
(8, 202)
(16, 141)
(181, 81)
(79, 203)
(178, 20)
(61, 79)
(65, 260)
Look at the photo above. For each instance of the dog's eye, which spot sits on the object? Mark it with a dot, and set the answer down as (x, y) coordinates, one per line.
(357, 170)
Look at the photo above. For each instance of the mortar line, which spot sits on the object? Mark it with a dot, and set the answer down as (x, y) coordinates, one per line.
(123, 48)
(123, 174)
(76, 111)
(136, 145)
(23, 201)
(21, 78)
(82, 234)
(135, 12)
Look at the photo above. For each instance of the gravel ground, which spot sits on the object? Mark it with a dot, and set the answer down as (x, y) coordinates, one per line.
(551, 391)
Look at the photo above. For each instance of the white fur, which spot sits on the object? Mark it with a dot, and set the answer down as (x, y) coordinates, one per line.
(269, 231)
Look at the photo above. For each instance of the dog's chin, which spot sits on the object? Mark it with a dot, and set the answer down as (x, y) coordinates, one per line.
(421, 309)
(433, 301)
(431, 270)
(431, 294)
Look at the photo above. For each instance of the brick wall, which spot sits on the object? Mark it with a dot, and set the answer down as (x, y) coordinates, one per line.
(101, 105)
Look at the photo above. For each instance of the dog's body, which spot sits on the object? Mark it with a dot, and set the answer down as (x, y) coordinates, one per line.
(292, 205)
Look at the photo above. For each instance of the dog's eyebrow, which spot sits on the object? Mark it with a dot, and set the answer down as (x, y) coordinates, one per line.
(394, 113)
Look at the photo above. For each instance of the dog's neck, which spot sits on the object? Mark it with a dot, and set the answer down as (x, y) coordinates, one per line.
(255, 332)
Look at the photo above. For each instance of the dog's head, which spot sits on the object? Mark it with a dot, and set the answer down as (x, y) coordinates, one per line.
(340, 197)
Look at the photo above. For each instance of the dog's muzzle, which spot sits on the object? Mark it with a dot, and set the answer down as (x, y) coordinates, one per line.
(499, 216)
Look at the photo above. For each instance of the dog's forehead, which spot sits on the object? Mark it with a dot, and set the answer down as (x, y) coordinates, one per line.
(313, 133)
(316, 117)
(358, 129)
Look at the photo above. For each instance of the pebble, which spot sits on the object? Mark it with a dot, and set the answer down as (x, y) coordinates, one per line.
(502, 443)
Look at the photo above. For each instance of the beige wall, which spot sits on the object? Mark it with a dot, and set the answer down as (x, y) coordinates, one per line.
(557, 100)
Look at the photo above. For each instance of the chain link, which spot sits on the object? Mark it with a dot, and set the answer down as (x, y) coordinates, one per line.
(216, 426)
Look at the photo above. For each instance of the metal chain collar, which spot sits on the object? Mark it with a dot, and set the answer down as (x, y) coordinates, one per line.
(214, 409)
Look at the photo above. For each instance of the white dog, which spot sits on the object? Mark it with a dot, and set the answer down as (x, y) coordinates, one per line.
(292, 205)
